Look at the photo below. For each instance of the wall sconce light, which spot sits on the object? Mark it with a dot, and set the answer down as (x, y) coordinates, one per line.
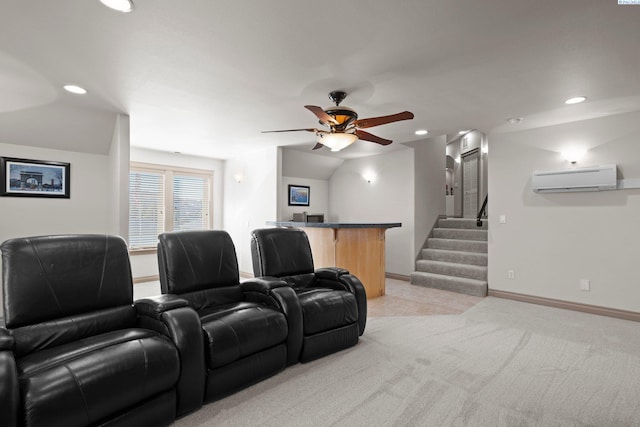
(369, 176)
(573, 155)
(238, 177)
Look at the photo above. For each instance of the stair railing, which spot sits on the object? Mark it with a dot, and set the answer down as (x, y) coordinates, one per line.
(482, 211)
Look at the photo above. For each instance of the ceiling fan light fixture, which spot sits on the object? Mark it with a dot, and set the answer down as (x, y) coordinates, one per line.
(337, 141)
(344, 126)
(124, 6)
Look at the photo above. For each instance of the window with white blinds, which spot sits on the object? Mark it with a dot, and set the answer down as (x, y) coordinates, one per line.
(167, 199)
(190, 202)
(146, 208)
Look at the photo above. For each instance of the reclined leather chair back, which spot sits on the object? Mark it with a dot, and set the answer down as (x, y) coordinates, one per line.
(200, 266)
(282, 252)
(72, 353)
(333, 302)
(245, 330)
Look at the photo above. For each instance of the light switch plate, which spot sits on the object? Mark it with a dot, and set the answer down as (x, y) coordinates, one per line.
(585, 285)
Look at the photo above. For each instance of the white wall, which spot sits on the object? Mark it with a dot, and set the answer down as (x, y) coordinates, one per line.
(308, 164)
(119, 178)
(318, 197)
(253, 201)
(429, 166)
(453, 150)
(146, 265)
(551, 241)
(388, 198)
(87, 211)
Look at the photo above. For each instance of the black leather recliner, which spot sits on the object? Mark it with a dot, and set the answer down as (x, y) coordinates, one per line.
(250, 330)
(73, 352)
(333, 302)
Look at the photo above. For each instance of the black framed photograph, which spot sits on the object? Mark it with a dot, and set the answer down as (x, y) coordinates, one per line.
(298, 195)
(34, 178)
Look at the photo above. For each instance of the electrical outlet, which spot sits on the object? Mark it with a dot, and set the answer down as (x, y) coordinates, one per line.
(503, 219)
(584, 284)
(511, 274)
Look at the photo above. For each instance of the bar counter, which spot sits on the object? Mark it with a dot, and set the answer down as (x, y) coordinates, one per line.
(357, 247)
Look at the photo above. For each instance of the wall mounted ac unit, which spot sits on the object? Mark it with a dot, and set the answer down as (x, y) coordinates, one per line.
(594, 178)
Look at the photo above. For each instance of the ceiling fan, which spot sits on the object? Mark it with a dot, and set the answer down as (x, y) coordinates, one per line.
(344, 128)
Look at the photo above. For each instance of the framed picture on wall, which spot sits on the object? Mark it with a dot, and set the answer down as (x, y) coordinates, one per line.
(298, 195)
(34, 178)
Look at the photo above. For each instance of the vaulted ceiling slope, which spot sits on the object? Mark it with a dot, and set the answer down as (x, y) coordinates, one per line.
(205, 77)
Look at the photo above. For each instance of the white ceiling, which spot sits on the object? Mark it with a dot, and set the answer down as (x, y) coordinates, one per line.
(206, 77)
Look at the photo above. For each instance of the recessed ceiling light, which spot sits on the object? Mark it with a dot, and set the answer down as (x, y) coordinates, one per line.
(575, 100)
(119, 5)
(514, 120)
(75, 89)
(421, 132)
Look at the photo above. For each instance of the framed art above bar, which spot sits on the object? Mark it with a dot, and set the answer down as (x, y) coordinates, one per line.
(298, 195)
(34, 178)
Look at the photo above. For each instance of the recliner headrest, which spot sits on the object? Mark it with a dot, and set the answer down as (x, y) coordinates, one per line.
(195, 260)
(281, 252)
(49, 277)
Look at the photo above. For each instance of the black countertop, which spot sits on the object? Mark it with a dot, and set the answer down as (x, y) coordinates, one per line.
(335, 224)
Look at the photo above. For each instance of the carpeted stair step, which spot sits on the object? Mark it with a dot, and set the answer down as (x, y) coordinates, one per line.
(472, 258)
(457, 245)
(466, 223)
(455, 258)
(448, 283)
(452, 269)
(461, 234)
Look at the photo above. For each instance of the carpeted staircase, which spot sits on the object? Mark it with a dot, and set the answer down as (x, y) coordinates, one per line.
(455, 258)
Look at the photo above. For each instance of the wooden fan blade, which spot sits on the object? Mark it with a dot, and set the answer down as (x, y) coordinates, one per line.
(318, 145)
(382, 120)
(321, 114)
(292, 130)
(366, 136)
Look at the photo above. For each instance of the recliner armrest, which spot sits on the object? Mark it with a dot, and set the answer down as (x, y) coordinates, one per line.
(6, 340)
(172, 317)
(9, 388)
(263, 285)
(330, 273)
(356, 287)
(278, 294)
(155, 306)
(339, 278)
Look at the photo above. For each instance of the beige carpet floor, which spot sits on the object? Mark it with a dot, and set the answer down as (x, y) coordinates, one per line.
(500, 363)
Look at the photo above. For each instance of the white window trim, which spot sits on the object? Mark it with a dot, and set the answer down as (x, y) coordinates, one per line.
(168, 171)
